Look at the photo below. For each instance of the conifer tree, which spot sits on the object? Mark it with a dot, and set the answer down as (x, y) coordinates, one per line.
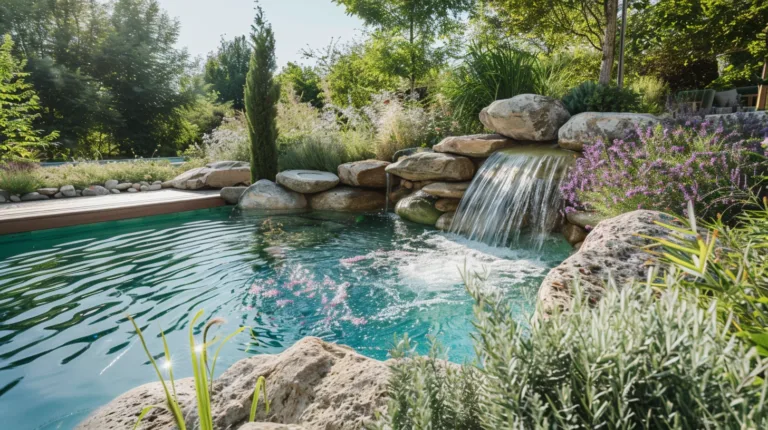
(261, 95)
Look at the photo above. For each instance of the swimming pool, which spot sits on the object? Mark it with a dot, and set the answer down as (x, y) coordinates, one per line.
(66, 347)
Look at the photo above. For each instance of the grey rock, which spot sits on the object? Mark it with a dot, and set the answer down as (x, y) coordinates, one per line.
(444, 222)
(144, 187)
(307, 181)
(124, 186)
(2, 199)
(78, 193)
(132, 190)
(167, 184)
(157, 183)
(348, 199)
(419, 207)
(14, 198)
(476, 145)
(111, 184)
(114, 191)
(58, 196)
(144, 183)
(612, 248)
(409, 151)
(68, 191)
(231, 195)
(526, 117)
(95, 190)
(312, 384)
(214, 175)
(267, 195)
(453, 190)
(5, 194)
(136, 187)
(433, 166)
(155, 187)
(48, 191)
(586, 128)
(29, 197)
(365, 173)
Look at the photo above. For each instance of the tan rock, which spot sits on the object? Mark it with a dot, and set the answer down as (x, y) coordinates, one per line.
(307, 181)
(526, 117)
(586, 128)
(573, 233)
(433, 166)
(447, 205)
(476, 145)
(313, 384)
(419, 207)
(586, 220)
(267, 195)
(214, 175)
(232, 195)
(366, 173)
(348, 199)
(454, 190)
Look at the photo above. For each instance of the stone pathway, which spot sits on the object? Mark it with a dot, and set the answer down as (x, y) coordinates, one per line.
(41, 215)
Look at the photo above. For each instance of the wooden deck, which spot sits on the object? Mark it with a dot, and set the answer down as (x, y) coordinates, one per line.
(46, 214)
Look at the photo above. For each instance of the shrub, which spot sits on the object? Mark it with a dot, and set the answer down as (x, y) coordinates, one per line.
(227, 142)
(314, 152)
(399, 125)
(727, 265)
(638, 359)
(592, 97)
(653, 93)
(664, 167)
(18, 178)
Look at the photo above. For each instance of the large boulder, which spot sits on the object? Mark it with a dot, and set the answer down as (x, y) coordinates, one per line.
(307, 181)
(214, 175)
(348, 199)
(613, 248)
(452, 190)
(313, 384)
(366, 173)
(267, 195)
(526, 117)
(586, 128)
(433, 166)
(476, 145)
(419, 207)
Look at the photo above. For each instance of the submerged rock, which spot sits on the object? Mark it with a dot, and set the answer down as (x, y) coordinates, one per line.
(526, 117)
(444, 222)
(348, 199)
(586, 128)
(214, 175)
(307, 181)
(614, 249)
(433, 166)
(313, 384)
(267, 195)
(476, 145)
(366, 173)
(419, 207)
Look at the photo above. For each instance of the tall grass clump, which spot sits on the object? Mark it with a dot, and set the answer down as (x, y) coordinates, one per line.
(18, 178)
(84, 174)
(640, 358)
(399, 124)
(666, 166)
(203, 371)
(653, 93)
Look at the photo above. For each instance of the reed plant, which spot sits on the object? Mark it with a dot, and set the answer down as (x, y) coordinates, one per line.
(203, 372)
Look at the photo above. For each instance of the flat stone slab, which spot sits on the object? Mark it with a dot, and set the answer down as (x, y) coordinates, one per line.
(365, 173)
(348, 199)
(452, 190)
(307, 181)
(476, 145)
(433, 166)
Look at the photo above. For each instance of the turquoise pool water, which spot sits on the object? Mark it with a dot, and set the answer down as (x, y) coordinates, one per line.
(66, 347)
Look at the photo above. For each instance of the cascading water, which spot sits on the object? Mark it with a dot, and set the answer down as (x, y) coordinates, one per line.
(516, 190)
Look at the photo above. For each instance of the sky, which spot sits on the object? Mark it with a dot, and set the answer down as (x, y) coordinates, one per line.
(297, 24)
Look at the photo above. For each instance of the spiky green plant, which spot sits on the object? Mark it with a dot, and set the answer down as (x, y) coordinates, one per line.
(201, 373)
(262, 93)
(642, 358)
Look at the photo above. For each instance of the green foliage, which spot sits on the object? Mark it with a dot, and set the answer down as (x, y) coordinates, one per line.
(229, 141)
(226, 70)
(305, 82)
(18, 178)
(491, 73)
(400, 125)
(202, 372)
(19, 107)
(316, 152)
(82, 175)
(727, 265)
(653, 93)
(261, 96)
(593, 97)
(406, 32)
(640, 358)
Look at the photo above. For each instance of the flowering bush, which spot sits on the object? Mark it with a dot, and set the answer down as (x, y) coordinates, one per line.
(664, 167)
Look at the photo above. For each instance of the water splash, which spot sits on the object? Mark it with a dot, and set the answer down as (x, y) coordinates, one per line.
(515, 191)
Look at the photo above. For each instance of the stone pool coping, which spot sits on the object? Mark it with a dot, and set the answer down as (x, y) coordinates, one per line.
(48, 214)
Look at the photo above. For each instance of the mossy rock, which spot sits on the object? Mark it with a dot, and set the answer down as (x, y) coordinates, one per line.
(419, 208)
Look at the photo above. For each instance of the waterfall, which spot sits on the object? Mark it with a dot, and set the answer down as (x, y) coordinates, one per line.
(515, 190)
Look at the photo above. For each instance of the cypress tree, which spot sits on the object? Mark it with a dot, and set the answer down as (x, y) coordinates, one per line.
(261, 95)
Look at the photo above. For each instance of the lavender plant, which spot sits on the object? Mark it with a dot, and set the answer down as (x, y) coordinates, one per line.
(666, 166)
